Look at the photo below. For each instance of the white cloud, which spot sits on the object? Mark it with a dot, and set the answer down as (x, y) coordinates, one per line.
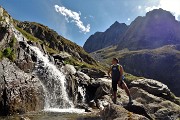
(74, 16)
(170, 5)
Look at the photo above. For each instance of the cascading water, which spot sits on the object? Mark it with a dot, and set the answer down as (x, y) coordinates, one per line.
(82, 91)
(53, 81)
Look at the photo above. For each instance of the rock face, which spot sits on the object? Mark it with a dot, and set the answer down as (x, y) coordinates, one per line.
(20, 92)
(111, 36)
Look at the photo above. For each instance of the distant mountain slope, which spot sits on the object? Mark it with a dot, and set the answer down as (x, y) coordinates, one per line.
(162, 64)
(104, 39)
(156, 29)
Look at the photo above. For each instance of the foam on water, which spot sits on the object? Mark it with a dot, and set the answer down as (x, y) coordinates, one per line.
(68, 110)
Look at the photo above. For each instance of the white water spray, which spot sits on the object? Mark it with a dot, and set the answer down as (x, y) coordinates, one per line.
(53, 81)
(82, 91)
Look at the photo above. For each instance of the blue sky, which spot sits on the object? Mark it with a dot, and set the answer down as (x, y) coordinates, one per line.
(71, 18)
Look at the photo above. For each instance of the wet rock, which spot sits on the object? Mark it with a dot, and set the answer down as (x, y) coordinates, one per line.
(92, 104)
(85, 107)
(100, 104)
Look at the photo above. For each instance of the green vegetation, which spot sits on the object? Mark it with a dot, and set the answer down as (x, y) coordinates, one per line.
(13, 42)
(50, 50)
(28, 36)
(1, 55)
(34, 39)
(80, 64)
(9, 51)
(129, 78)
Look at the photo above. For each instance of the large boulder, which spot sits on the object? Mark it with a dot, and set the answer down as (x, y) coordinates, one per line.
(94, 73)
(19, 92)
(156, 107)
(69, 69)
(156, 88)
(152, 86)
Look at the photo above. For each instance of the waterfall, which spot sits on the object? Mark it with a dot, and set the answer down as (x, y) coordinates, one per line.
(82, 92)
(52, 79)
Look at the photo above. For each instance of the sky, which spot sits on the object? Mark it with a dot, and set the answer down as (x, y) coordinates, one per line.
(76, 20)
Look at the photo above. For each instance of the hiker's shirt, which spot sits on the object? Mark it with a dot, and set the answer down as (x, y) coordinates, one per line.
(116, 72)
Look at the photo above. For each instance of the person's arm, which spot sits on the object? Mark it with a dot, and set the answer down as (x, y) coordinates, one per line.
(121, 72)
(109, 72)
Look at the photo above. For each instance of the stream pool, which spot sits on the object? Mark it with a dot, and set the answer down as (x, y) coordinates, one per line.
(55, 115)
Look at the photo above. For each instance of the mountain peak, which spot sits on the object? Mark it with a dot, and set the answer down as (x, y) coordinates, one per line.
(104, 39)
(160, 13)
(117, 24)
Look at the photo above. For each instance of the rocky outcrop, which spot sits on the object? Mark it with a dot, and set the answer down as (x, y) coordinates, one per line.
(19, 92)
(94, 73)
(112, 36)
(146, 105)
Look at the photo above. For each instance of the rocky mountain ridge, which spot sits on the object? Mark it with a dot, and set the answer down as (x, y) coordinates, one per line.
(111, 36)
(156, 29)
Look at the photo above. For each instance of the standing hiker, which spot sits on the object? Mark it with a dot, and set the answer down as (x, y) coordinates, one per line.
(116, 73)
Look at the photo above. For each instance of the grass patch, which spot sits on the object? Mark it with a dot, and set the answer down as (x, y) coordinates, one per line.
(74, 62)
(28, 36)
(8, 53)
(50, 50)
(34, 39)
(13, 42)
(1, 55)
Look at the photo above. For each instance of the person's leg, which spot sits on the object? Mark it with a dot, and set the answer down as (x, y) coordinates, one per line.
(124, 86)
(114, 86)
(115, 96)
